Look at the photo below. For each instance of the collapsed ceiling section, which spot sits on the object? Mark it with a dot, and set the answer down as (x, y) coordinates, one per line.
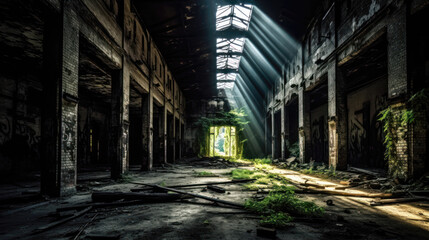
(230, 18)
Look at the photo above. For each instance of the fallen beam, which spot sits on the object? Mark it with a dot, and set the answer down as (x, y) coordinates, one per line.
(54, 224)
(350, 194)
(191, 185)
(197, 196)
(399, 200)
(99, 205)
(360, 170)
(144, 197)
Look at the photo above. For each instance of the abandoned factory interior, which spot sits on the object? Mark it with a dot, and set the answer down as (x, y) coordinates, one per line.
(214, 119)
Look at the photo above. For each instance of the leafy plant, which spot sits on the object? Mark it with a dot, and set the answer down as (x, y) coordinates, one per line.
(396, 121)
(292, 149)
(277, 220)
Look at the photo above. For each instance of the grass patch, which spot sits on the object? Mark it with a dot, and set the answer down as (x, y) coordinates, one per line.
(243, 174)
(276, 220)
(126, 178)
(263, 180)
(205, 174)
(279, 208)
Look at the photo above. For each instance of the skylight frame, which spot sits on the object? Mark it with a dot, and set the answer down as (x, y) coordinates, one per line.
(226, 45)
(225, 85)
(233, 16)
(230, 17)
(228, 61)
(226, 76)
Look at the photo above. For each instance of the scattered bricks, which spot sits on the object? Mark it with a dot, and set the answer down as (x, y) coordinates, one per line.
(266, 232)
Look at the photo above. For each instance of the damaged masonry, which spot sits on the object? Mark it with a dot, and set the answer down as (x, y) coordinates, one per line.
(220, 119)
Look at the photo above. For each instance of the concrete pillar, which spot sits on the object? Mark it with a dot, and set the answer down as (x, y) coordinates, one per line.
(337, 118)
(304, 125)
(180, 137)
(165, 130)
(173, 138)
(59, 114)
(273, 137)
(148, 129)
(118, 145)
(283, 132)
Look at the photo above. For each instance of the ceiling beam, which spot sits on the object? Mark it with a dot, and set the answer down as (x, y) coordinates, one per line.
(226, 71)
(234, 2)
(232, 34)
(230, 54)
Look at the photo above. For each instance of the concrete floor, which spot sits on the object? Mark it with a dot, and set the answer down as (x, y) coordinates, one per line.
(199, 219)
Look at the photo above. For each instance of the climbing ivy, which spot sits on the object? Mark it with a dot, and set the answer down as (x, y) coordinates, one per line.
(236, 118)
(396, 122)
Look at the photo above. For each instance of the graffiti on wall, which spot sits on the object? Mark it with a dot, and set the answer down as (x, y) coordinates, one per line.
(358, 136)
(319, 139)
(5, 129)
(69, 136)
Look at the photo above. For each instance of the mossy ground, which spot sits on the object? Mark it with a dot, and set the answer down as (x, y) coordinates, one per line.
(281, 205)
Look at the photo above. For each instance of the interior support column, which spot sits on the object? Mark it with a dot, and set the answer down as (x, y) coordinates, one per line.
(304, 126)
(119, 122)
(59, 114)
(282, 134)
(337, 118)
(148, 130)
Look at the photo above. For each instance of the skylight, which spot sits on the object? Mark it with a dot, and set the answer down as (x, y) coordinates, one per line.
(235, 16)
(231, 18)
(228, 62)
(226, 76)
(225, 85)
(225, 45)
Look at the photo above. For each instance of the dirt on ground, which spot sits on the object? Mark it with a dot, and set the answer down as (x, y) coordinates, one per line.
(345, 217)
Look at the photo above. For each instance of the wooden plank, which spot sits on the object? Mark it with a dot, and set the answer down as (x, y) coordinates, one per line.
(350, 194)
(99, 205)
(360, 170)
(146, 197)
(198, 196)
(10, 212)
(57, 223)
(191, 185)
(399, 200)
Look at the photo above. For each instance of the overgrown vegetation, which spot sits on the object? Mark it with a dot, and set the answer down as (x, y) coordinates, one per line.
(236, 118)
(281, 205)
(292, 149)
(205, 174)
(396, 120)
(279, 208)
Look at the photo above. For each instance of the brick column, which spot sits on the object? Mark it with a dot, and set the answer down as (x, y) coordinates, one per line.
(337, 118)
(398, 85)
(59, 114)
(304, 126)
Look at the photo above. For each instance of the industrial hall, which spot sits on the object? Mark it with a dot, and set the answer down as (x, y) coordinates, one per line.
(214, 119)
